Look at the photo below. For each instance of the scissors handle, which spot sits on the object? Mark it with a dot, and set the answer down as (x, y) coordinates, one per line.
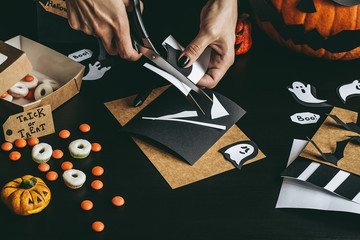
(138, 25)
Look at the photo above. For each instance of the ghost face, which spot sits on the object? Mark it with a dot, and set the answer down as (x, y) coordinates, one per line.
(349, 90)
(240, 152)
(304, 93)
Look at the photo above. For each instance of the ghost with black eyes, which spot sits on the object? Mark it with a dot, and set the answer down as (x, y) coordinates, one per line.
(304, 93)
(349, 90)
(240, 152)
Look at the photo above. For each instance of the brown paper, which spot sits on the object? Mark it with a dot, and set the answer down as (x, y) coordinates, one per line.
(57, 7)
(326, 137)
(177, 172)
(33, 123)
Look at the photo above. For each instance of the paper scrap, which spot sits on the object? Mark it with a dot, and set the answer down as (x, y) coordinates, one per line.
(305, 118)
(2, 58)
(305, 94)
(217, 109)
(349, 90)
(210, 125)
(297, 194)
(183, 114)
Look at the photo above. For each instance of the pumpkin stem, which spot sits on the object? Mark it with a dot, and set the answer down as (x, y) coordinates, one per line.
(28, 183)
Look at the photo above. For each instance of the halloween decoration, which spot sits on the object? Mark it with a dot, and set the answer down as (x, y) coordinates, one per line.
(319, 28)
(243, 40)
(26, 195)
(349, 90)
(240, 152)
(353, 127)
(305, 94)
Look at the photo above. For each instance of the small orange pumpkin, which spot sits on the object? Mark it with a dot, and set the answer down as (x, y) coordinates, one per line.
(26, 195)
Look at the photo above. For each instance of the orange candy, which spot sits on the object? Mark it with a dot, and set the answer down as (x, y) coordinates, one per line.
(118, 201)
(33, 141)
(29, 78)
(20, 143)
(84, 127)
(57, 154)
(51, 176)
(87, 205)
(97, 184)
(14, 156)
(97, 171)
(30, 95)
(95, 147)
(98, 226)
(6, 146)
(66, 166)
(4, 95)
(64, 134)
(44, 167)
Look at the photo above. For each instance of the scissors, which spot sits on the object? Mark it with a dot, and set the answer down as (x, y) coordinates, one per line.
(139, 34)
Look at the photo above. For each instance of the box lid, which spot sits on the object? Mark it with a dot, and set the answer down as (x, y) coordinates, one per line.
(14, 65)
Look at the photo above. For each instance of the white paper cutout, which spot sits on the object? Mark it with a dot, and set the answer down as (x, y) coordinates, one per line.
(2, 58)
(305, 118)
(199, 68)
(81, 55)
(183, 114)
(304, 93)
(217, 109)
(349, 90)
(210, 125)
(297, 194)
(174, 81)
(240, 151)
(96, 71)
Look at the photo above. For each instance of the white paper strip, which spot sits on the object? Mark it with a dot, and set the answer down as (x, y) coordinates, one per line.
(217, 109)
(308, 171)
(337, 180)
(2, 58)
(183, 114)
(221, 127)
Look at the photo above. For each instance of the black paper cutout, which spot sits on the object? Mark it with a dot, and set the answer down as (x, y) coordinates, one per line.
(188, 141)
(347, 3)
(348, 90)
(348, 188)
(344, 41)
(306, 6)
(338, 153)
(353, 127)
(313, 93)
(240, 152)
(172, 57)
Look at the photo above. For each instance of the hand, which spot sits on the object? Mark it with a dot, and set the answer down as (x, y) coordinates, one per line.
(217, 29)
(107, 20)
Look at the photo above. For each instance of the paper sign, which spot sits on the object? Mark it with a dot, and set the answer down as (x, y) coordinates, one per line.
(33, 123)
(57, 7)
(81, 55)
(305, 118)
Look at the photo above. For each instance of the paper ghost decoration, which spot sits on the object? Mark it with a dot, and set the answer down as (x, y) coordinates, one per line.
(96, 71)
(353, 127)
(338, 153)
(240, 152)
(348, 90)
(305, 94)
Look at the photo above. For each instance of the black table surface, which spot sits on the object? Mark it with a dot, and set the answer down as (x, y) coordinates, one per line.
(232, 205)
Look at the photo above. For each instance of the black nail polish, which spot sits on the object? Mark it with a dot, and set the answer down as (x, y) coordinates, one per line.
(183, 61)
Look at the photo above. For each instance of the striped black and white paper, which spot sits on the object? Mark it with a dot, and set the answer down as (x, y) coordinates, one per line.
(332, 179)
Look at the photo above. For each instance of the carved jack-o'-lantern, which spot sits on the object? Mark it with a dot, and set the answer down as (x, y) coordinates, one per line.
(321, 28)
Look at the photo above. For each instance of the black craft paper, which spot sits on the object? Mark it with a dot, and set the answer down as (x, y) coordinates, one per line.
(188, 141)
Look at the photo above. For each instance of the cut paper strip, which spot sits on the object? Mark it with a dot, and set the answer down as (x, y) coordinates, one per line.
(349, 90)
(305, 94)
(183, 114)
(217, 109)
(174, 81)
(96, 71)
(300, 194)
(338, 153)
(240, 152)
(210, 125)
(305, 118)
(326, 177)
(2, 58)
(81, 55)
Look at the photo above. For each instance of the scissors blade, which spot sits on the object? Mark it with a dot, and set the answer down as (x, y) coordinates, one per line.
(163, 64)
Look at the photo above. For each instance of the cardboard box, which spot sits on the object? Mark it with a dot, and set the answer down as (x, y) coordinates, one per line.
(16, 57)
